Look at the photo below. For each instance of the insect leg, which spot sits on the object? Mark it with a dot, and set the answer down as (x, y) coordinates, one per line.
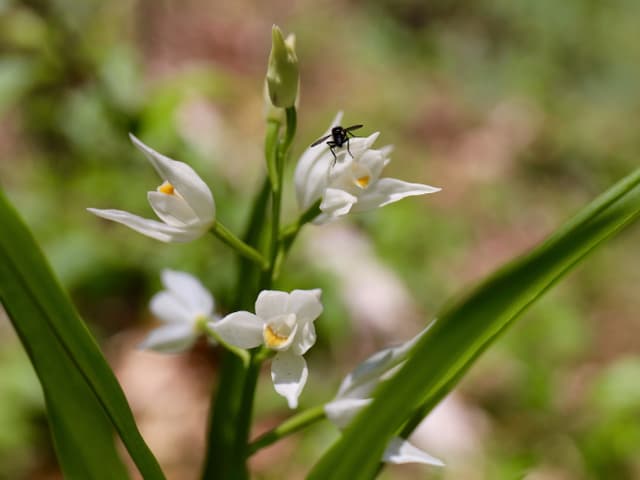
(332, 145)
(348, 148)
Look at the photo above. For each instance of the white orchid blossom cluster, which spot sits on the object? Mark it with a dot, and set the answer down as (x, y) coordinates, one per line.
(283, 322)
(356, 391)
(349, 182)
(329, 183)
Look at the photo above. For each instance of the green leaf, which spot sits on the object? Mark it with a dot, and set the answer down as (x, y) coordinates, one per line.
(466, 327)
(83, 397)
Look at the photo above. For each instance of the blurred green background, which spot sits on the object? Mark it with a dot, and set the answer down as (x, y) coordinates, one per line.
(522, 111)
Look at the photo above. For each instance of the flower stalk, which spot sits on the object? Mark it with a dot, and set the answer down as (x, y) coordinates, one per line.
(226, 236)
(288, 427)
(232, 409)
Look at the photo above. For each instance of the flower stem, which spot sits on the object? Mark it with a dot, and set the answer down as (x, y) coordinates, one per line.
(289, 426)
(221, 461)
(278, 161)
(243, 426)
(225, 235)
(271, 151)
(246, 287)
(289, 234)
(292, 120)
(232, 409)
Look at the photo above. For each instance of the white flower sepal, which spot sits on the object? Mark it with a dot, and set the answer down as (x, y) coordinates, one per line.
(283, 322)
(183, 202)
(355, 393)
(185, 307)
(350, 183)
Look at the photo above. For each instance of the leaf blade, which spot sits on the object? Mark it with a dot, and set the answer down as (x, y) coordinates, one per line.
(26, 279)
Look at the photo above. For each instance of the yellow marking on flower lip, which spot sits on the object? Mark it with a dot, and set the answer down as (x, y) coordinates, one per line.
(272, 339)
(166, 188)
(363, 182)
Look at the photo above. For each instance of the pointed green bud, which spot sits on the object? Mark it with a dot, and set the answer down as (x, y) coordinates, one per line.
(282, 73)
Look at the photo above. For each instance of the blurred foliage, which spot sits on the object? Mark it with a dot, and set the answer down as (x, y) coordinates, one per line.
(521, 110)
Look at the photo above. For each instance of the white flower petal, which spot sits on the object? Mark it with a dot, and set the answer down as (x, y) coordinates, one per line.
(401, 451)
(359, 145)
(189, 291)
(289, 374)
(365, 377)
(336, 202)
(242, 329)
(341, 412)
(172, 209)
(389, 190)
(168, 308)
(172, 338)
(305, 304)
(311, 171)
(271, 303)
(151, 228)
(312, 180)
(305, 338)
(184, 179)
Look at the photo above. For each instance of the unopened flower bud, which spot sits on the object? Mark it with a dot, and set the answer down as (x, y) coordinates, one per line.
(282, 72)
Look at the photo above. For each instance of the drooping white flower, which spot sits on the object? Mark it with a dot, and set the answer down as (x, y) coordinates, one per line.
(185, 307)
(283, 322)
(350, 183)
(355, 394)
(183, 202)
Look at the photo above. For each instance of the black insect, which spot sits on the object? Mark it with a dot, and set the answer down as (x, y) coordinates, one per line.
(339, 136)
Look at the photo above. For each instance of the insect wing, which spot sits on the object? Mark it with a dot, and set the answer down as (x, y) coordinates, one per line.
(320, 140)
(353, 127)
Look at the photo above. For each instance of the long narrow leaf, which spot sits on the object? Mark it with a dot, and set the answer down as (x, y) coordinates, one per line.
(82, 433)
(468, 326)
(65, 355)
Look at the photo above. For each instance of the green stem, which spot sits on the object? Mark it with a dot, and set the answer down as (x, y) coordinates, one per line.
(225, 235)
(232, 410)
(243, 426)
(221, 461)
(271, 151)
(276, 202)
(289, 234)
(247, 282)
(292, 120)
(289, 426)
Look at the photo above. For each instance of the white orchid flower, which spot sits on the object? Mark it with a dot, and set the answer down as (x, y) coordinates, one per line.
(183, 202)
(283, 322)
(355, 394)
(185, 306)
(351, 182)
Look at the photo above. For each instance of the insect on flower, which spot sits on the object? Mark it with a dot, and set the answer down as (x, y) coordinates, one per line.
(339, 136)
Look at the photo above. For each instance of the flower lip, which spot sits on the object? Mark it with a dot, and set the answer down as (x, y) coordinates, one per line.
(280, 332)
(167, 188)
